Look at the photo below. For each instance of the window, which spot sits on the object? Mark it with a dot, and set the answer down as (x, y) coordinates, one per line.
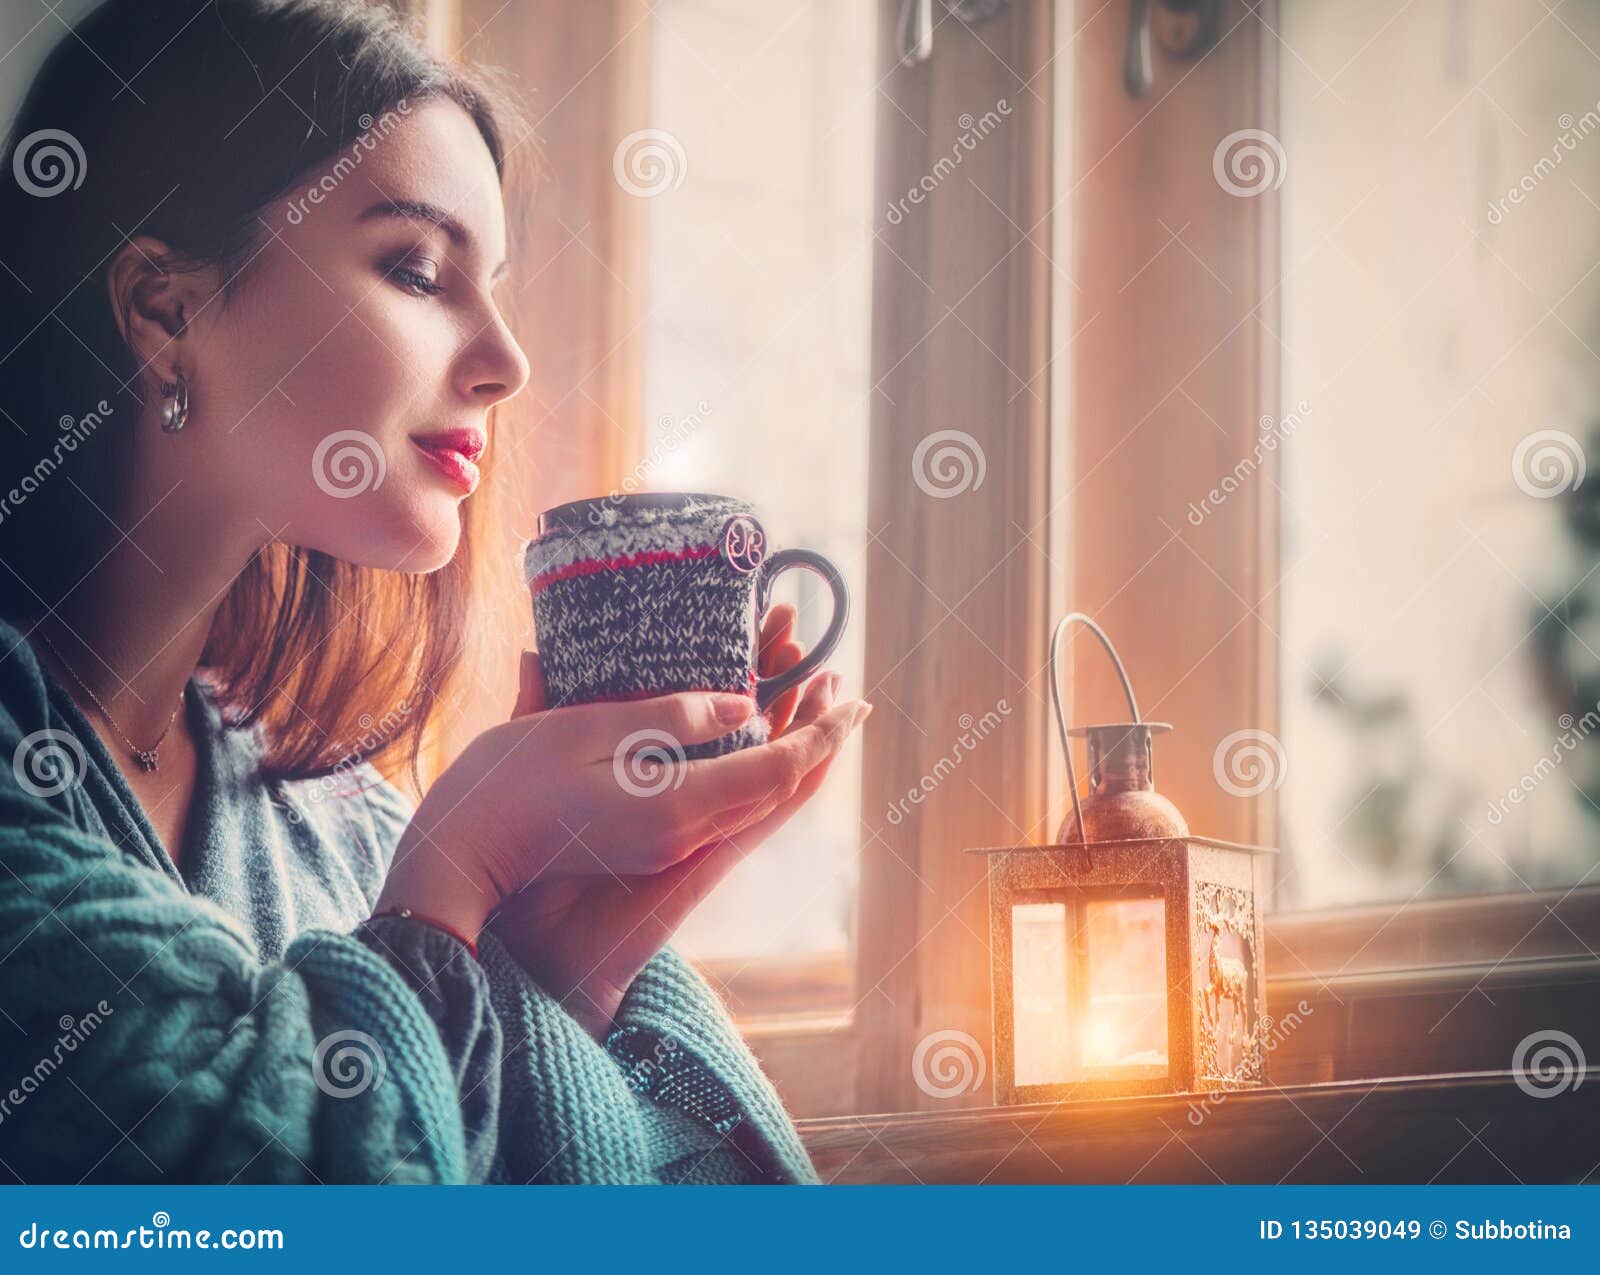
(1439, 634)
(1006, 341)
(758, 308)
(1311, 347)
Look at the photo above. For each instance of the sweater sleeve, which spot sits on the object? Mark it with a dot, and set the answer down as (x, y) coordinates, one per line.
(574, 1110)
(677, 1043)
(562, 1114)
(145, 1039)
(452, 988)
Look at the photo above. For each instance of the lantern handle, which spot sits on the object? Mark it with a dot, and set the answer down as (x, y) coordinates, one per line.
(1061, 717)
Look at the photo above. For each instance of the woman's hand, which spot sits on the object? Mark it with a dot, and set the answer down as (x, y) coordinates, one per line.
(554, 793)
(585, 938)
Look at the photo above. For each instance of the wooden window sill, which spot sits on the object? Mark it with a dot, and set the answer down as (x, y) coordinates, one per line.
(1460, 1128)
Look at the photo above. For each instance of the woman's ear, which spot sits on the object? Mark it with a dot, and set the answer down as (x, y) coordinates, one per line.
(153, 301)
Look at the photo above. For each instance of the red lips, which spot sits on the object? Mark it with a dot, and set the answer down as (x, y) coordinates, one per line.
(470, 443)
(453, 453)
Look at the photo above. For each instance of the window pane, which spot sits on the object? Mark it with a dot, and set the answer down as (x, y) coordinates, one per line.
(1441, 608)
(757, 365)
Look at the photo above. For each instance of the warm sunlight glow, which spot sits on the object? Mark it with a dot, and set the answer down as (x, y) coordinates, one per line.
(1114, 951)
(1100, 1042)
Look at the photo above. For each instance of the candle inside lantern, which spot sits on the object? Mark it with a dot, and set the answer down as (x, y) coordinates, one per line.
(1089, 988)
(1126, 960)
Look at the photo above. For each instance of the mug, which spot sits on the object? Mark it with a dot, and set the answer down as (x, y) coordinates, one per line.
(659, 592)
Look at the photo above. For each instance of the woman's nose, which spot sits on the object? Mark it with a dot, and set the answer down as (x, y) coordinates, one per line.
(498, 369)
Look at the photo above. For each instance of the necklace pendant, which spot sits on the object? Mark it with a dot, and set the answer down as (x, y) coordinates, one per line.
(146, 758)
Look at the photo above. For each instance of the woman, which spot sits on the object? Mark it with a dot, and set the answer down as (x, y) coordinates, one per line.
(250, 242)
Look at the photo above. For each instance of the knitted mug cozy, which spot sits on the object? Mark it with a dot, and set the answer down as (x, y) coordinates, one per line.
(659, 592)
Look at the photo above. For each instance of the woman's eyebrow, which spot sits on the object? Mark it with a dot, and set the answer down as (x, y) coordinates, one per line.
(422, 210)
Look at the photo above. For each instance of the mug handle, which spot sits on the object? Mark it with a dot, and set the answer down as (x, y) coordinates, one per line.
(769, 688)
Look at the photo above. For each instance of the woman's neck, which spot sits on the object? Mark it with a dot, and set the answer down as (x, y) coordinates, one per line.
(133, 630)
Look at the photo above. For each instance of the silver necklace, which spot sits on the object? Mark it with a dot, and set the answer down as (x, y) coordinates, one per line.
(146, 757)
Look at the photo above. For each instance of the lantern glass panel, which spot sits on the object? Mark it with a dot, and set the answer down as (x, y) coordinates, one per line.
(1125, 957)
(1039, 993)
(1089, 993)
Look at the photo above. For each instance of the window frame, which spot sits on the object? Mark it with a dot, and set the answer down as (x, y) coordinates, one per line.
(1012, 275)
(1425, 985)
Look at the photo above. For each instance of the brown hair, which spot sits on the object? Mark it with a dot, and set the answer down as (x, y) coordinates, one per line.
(335, 663)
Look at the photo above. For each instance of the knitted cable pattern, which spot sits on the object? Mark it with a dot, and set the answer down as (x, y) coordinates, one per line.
(202, 1069)
(382, 1055)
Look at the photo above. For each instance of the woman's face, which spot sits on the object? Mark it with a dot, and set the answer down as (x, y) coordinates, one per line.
(340, 398)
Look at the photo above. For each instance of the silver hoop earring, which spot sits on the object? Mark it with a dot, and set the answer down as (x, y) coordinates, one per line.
(175, 411)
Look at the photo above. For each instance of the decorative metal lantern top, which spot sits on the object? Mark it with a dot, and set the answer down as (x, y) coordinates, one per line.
(1122, 801)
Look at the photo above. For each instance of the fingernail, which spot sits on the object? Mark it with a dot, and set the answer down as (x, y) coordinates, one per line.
(862, 713)
(731, 709)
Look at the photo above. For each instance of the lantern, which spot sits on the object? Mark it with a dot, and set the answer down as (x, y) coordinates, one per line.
(1126, 958)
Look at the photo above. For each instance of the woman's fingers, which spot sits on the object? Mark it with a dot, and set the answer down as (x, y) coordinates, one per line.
(530, 688)
(777, 652)
(781, 711)
(663, 899)
(817, 699)
(713, 785)
(670, 896)
(608, 731)
(710, 799)
(776, 628)
(650, 817)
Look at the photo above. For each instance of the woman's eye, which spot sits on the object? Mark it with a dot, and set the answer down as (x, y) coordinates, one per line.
(413, 281)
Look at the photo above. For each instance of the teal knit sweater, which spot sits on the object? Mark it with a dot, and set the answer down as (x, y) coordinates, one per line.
(241, 1021)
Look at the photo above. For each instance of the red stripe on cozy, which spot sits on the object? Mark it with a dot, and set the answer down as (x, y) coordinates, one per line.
(650, 557)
